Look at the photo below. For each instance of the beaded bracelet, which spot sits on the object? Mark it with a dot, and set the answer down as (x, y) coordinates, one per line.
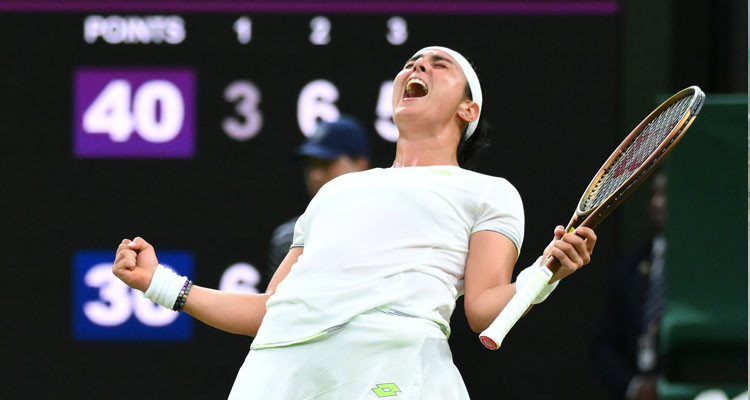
(179, 304)
(165, 287)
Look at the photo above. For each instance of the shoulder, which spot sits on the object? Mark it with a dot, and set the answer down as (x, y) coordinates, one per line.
(493, 188)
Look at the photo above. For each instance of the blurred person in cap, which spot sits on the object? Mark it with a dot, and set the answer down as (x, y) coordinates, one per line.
(334, 149)
(626, 351)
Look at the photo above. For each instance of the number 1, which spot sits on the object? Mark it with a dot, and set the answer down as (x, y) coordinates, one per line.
(244, 28)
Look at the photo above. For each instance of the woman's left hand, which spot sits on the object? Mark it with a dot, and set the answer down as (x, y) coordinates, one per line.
(572, 250)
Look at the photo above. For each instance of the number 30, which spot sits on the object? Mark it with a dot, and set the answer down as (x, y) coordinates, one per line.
(117, 302)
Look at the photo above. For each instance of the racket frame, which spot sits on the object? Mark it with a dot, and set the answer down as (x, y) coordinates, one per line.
(596, 215)
(493, 336)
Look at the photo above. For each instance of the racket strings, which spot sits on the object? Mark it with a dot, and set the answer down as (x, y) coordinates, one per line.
(636, 153)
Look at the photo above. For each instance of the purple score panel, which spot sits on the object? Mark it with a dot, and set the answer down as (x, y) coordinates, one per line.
(134, 113)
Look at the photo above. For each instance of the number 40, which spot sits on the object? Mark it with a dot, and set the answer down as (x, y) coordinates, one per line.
(157, 114)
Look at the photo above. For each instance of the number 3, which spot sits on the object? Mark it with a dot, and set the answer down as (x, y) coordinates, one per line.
(397, 31)
(247, 97)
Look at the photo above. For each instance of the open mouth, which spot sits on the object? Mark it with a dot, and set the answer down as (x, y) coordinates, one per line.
(415, 88)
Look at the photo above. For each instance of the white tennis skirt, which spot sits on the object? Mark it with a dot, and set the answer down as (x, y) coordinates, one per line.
(376, 356)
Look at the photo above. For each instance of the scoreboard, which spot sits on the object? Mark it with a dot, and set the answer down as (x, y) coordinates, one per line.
(177, 121)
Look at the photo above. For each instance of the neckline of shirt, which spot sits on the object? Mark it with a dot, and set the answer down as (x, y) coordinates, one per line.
(427, 166)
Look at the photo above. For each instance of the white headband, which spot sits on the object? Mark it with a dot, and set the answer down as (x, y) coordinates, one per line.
(471, 79)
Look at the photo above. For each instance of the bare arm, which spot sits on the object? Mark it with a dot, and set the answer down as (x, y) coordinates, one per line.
(284, 268)
(489, 267)
(239, 313)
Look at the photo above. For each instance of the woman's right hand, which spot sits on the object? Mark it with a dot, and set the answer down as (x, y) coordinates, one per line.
(135, 263)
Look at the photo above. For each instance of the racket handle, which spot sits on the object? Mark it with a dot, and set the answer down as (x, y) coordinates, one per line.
(518, 304)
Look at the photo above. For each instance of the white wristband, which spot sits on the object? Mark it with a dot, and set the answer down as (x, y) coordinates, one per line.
(165, 287)
(521, 279)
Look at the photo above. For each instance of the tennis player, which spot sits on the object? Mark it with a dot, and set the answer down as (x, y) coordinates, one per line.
(360, 307)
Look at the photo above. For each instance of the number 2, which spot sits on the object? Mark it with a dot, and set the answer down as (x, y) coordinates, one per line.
(321, 31)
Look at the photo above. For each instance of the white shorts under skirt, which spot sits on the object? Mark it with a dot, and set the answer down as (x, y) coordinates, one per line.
(376, 356)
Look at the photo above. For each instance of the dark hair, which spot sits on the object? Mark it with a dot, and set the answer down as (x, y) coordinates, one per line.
(469, 149)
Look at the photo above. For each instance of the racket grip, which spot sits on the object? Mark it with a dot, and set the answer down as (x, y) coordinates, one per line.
(518, 304)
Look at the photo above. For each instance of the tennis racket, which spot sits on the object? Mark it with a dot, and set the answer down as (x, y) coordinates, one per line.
(633, 160)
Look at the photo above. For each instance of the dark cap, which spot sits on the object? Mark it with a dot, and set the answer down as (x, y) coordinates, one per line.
(332, 140)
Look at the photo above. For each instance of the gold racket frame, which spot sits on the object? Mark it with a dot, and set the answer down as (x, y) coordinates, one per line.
(593, 217)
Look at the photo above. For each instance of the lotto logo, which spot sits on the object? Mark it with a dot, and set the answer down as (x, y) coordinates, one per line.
(107, 309)
(386, 390)
(134, 113)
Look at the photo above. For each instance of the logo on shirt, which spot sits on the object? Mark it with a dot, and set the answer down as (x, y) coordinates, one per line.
(386, 390)
(441, 172)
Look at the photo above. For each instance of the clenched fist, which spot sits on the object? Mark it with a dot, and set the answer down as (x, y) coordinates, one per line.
(135, 263)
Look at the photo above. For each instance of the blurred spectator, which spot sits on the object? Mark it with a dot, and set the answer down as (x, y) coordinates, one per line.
(335, 148)
(626, 351)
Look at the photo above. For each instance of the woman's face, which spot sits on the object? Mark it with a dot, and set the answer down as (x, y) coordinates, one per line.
(428, 89)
